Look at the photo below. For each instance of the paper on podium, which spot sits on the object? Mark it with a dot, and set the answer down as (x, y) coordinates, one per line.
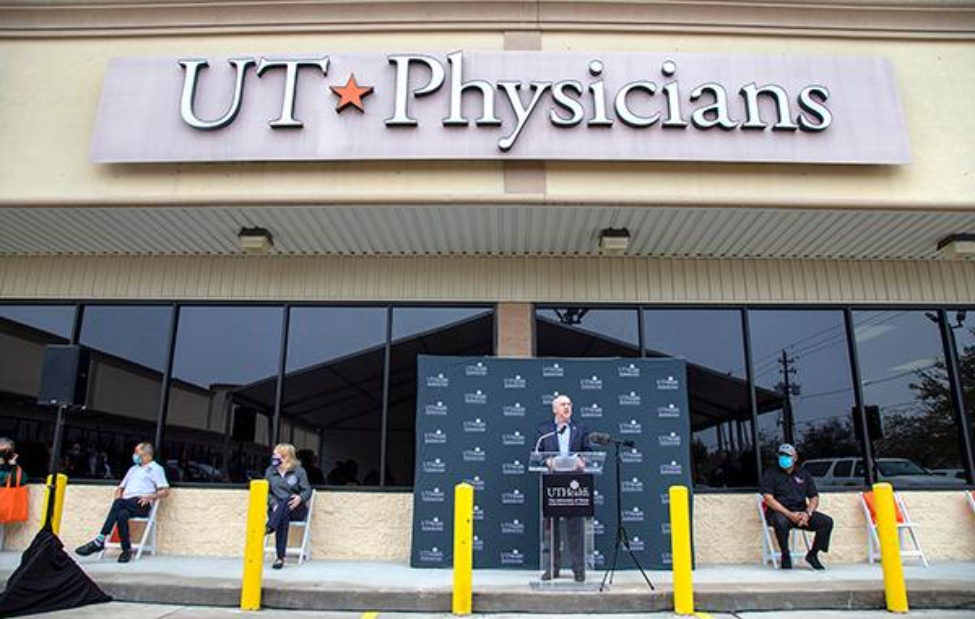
(553, 461)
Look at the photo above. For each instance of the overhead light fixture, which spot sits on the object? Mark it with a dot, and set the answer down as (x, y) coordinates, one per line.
(255, 241)
(957, 246)
(614, 241)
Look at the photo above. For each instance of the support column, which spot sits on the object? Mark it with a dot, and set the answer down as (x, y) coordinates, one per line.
(514, 325)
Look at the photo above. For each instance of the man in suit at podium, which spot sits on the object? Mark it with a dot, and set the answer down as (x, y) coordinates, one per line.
(560, 435)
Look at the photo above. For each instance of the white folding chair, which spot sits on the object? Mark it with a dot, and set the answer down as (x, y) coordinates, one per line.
(303, 552)
(905, 530)
(147, 541)
(771, 556)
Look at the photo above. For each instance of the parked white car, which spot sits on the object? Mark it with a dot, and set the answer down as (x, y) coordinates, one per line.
(900, 472)
(959, 473)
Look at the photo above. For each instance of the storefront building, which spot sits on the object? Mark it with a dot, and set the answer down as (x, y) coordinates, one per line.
(238, 293)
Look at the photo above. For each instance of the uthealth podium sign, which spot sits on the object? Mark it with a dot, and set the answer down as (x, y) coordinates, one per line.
(492, 105)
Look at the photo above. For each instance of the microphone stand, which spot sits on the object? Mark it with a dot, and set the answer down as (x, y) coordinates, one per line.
(622, 537)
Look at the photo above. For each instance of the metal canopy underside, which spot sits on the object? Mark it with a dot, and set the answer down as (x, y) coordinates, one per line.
(481, 230)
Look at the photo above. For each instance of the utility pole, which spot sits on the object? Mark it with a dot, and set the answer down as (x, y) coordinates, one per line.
(787, 388)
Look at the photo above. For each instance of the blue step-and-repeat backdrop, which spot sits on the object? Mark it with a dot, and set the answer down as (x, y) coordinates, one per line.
(476, 421)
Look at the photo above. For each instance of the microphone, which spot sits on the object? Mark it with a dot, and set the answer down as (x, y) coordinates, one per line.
(542, 438)
(601, 438)
(545, 436)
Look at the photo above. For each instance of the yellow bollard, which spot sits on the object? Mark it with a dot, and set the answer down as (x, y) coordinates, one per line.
(250, 588)
(890, 548)
(58, 502)
(680, 548)
(463, 548)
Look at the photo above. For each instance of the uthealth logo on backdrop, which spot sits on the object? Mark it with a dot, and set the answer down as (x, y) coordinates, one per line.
(486, 105)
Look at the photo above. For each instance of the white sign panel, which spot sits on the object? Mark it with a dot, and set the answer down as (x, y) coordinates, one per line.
(501, 105)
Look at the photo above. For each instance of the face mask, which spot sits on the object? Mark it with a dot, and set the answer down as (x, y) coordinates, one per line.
(136, 459)
(785, 462)
(275, 461)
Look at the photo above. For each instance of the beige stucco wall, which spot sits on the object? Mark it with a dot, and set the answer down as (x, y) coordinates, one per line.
(53, 86)
(376, 526)
(727, 529)
(212, 522)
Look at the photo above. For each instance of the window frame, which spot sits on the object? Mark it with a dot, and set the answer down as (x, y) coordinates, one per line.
(176, 306)
(949, 351)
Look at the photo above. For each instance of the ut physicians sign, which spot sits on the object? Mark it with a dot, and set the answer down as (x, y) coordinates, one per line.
(497, 105)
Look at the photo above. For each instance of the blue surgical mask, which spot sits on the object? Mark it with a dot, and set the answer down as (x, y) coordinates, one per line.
(136, 459)
(275, 461)
(786, 462)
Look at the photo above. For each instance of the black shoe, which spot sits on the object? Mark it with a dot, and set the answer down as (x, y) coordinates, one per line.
(89, 549)
(786, 563)
(812, 558)
(580, 576)
(278, 564)
(125, 557)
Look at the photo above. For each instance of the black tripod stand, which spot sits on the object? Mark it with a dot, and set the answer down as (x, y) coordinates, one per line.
(622, 537)
(52, 486)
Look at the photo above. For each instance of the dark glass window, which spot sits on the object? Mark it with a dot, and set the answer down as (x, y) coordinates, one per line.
(817, 469)
(910, 418)
(24, 332)
(128, 351)
(843, 468)
(804, 384)
(722, 450)
(221, 398)
(962, 325)
(587, 332)
(333, 392)
(425, 331)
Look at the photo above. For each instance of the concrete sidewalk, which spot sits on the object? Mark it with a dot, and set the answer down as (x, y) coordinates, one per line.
(364, 586)
(159, 611)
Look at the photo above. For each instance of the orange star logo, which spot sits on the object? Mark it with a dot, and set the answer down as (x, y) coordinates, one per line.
(351, 94)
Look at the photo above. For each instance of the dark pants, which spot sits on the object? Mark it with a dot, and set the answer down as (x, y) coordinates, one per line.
(279, 520)
(820, 524)
(575, 529)
(118, 516)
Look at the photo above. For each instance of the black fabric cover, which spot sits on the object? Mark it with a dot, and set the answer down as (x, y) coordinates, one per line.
(48, 580)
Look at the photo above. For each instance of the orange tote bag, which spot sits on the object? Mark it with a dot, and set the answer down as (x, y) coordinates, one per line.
(13, 500)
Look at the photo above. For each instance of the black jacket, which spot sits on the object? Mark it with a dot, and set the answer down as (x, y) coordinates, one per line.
(578, 437)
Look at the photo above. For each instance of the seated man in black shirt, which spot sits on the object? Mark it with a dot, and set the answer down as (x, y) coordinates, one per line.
(791, 500)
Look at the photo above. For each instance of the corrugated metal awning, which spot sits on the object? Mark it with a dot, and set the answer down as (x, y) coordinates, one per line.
(481, 230)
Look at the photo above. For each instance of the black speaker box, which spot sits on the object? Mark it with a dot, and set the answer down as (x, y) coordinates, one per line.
(64, 376)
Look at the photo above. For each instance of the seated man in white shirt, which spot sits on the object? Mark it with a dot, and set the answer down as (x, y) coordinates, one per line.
(143, 485)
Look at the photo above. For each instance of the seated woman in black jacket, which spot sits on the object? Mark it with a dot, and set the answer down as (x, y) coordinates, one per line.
(288, 496)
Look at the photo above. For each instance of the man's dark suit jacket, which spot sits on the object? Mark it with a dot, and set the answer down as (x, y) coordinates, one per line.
(578, 437)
